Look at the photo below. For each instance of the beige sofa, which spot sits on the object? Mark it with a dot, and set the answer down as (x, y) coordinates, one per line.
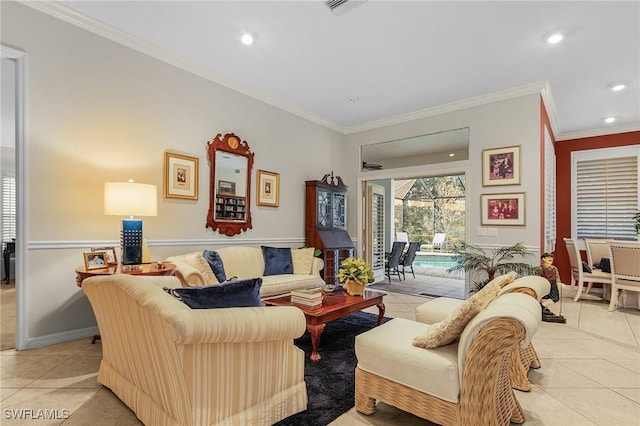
(173, 365)
(247, 262)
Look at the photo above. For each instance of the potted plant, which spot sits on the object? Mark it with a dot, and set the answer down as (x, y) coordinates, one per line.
(499, 260)
(355, 273)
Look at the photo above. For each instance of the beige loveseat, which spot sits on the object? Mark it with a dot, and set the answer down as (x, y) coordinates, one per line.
(173, 365)
(247, 262)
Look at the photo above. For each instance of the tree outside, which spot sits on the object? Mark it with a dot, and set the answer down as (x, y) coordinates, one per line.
(433, 204)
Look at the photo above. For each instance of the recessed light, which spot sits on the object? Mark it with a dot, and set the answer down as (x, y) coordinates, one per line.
(247, 39)
(354, 98)
(609, 120)
(451, 154)
(616, 87)
(555, 38)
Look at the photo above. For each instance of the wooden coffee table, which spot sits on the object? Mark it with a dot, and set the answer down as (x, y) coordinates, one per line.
(335, 305)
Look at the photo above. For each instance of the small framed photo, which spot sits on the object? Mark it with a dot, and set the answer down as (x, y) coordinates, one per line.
(226, 187)
(503, 209)
(112, 259)
(268, 184)
(501, 166)
(180, 176)
(95, 260)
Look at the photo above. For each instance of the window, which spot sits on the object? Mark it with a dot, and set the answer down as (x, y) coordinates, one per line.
(549, 193)
(605, 192)
(8, 208)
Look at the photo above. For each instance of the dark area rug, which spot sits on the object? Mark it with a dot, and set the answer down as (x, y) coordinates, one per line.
(331, 381)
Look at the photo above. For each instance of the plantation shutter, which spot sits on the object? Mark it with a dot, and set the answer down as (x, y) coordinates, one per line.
(549, 193)
(8, 208)
(606, 197)
(377, 207)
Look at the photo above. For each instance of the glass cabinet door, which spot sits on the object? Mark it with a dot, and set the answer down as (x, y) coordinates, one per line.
(324, 209)
(339, 210)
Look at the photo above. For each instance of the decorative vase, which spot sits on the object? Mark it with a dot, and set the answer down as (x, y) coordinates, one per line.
(354, 288)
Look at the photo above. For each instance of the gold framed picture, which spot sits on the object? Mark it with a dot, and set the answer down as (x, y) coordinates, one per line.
(95, 260)
(180, 176)
(112, 259)
(226, 187)
(501, 166)
(268, 184)
(503, 209)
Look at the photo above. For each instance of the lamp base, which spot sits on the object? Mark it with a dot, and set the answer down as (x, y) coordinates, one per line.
(131, 241)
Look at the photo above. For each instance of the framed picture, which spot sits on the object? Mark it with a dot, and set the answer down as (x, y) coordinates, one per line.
(268, 188)
(226, 187)
(501, 166)
(503, 209)
(180, 176)
(112, 259)
(95, 260)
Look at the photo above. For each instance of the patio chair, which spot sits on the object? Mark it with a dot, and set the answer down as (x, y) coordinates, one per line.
(436, 243)
(393, 260)
(578, 275)
(408, 257)
(625, 269)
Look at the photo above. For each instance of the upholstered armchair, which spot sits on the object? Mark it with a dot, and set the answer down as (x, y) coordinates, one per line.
(173, 365)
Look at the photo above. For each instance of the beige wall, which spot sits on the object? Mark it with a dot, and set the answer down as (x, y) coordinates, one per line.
(98, 111)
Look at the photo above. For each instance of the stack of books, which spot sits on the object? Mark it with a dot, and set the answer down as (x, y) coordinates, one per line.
(311, 297)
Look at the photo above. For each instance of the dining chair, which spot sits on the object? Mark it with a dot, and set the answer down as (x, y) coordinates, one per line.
(597, 248)
(625, 269)
(578, 276)
(408, 257)
(393, 260)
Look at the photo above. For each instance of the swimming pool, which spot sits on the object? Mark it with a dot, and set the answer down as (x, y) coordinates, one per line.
(435, 260)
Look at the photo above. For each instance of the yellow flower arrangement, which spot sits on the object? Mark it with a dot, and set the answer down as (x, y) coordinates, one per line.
(355, 269)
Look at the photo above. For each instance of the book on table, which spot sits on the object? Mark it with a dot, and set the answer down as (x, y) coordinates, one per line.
(310, 294)
(306, 302)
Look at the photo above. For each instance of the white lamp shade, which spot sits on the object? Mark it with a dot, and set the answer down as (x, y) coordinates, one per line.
(130, 199)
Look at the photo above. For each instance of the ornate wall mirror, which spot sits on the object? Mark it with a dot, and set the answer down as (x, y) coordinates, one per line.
(231, 161)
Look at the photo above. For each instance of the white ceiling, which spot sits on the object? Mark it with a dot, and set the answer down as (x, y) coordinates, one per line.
(399, 57)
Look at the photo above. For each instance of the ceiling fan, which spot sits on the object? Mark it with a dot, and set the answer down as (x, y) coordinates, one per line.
(371, 166)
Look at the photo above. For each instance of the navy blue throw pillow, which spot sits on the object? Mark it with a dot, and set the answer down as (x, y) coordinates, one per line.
(277, 260)
(605, 265)
(215, 262)
(586, 267)
(232, 294)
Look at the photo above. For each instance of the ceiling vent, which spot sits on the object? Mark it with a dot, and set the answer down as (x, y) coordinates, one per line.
(340, 7)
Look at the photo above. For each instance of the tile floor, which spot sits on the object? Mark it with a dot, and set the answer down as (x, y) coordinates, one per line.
(590, 375)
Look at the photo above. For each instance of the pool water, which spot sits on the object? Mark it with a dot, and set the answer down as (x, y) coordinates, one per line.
(435, 260)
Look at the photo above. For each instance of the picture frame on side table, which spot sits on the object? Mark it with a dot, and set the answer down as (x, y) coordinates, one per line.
(503, 209)
(180, 176)
(268, 184)
(112, 259)
(95, 260)
(501, 166)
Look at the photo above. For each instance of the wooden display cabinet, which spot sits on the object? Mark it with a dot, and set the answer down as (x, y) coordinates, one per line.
(326, 223)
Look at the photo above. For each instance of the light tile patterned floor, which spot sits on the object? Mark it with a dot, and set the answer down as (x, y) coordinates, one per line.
(590, 375)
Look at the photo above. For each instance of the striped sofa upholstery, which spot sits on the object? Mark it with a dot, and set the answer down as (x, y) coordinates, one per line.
(173, 365)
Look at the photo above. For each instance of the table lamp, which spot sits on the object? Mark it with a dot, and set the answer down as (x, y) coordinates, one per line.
(130, 199)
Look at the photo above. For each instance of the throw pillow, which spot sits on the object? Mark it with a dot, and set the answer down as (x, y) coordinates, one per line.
(451, 328)
(302, 260)
(586, 267)
(215, 263)
(277, 260)
(231, 294)
(204, 267)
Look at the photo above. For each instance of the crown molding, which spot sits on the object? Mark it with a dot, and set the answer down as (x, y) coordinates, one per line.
(80, 20)
(599, 132)
(501, 95)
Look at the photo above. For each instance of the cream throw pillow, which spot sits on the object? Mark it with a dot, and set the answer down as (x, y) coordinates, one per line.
(203, 266)
(302, 260)
(448, 330)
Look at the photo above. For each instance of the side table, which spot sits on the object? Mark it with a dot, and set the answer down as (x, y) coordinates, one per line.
(145, 269)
